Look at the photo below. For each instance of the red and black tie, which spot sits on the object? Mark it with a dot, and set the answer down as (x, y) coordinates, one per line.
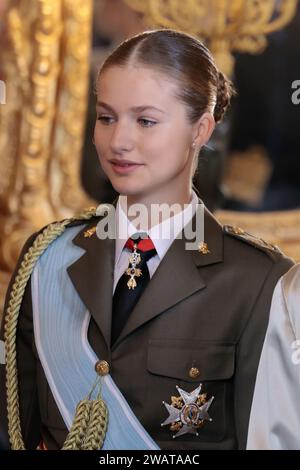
(125, 298)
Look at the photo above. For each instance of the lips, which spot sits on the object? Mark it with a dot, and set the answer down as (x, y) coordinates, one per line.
(123, 162)
(124, 166)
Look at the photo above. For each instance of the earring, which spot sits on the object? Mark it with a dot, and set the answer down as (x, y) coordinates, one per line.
(194, 145)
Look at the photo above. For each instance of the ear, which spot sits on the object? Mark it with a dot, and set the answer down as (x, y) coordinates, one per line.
(203, 129)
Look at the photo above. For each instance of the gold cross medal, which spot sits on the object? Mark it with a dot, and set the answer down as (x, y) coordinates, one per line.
(188, 412)
(132, 271)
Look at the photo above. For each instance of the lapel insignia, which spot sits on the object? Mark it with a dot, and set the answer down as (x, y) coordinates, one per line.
(88, 233)
(203, 248)
(188, 412)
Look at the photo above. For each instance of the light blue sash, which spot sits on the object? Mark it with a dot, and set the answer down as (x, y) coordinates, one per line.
(60, 327)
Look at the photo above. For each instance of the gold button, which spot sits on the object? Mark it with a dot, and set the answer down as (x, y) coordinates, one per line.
(194, 372)
(102, 367)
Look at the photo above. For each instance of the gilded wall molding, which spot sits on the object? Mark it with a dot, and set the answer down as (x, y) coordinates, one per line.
(45, 67)
(225, 25)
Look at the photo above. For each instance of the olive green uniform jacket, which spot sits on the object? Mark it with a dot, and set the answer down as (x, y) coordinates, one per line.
(205, 311)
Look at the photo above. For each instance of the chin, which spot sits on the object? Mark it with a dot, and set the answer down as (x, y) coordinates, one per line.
(125, 188)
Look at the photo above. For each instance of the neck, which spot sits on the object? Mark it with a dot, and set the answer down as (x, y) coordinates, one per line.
(153, 210)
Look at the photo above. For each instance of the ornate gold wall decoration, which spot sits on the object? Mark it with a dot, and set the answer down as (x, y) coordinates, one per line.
(240, 182)
(45, 65)
(226, 25)
(72, 102)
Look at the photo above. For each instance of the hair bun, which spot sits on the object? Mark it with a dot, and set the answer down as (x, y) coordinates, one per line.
(224, 93)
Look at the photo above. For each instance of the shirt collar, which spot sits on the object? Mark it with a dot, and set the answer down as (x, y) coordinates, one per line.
(162, 234)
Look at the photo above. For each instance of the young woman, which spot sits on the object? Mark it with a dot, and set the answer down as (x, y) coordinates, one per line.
(174, 332)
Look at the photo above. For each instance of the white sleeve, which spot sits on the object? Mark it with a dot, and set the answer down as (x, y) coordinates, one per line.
(275, 413)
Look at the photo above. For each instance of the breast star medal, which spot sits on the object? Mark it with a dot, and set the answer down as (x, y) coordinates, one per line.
(188, 412)
(132, 270)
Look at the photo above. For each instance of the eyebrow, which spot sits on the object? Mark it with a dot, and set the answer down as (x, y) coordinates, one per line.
(136, 109)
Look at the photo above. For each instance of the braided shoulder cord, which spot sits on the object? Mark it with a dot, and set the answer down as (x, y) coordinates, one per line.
(40, 244)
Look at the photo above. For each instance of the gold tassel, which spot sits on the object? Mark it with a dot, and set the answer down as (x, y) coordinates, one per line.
(90, 423)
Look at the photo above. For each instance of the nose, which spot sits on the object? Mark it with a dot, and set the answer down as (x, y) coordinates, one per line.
(121, 138)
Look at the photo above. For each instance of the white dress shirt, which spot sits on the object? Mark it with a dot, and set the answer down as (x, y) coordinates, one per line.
(162, 235)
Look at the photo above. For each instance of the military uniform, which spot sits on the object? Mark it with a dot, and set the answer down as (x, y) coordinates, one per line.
(201, 319)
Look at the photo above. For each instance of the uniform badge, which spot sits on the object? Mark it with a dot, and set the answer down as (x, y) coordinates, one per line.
(90, 232)
(203, 248)
(188, 412)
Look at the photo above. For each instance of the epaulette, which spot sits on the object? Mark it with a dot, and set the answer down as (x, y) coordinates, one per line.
(73, 222)
(87, 216)
(241, 234)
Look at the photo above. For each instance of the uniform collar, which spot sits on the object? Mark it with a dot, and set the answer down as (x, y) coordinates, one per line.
(162, 234)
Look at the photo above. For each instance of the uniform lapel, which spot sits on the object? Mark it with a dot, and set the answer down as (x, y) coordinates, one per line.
(177, 277)
(92, 276)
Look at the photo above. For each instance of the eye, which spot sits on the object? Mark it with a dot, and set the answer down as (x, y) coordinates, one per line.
(106, 120)
(146, 122)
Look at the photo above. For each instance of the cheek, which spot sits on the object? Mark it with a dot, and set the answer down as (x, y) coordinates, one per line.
(158, 143)
(177, 136)
(101, 140)
(175, 143)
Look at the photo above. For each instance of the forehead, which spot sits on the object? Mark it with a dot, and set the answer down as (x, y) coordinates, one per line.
(134, 85)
